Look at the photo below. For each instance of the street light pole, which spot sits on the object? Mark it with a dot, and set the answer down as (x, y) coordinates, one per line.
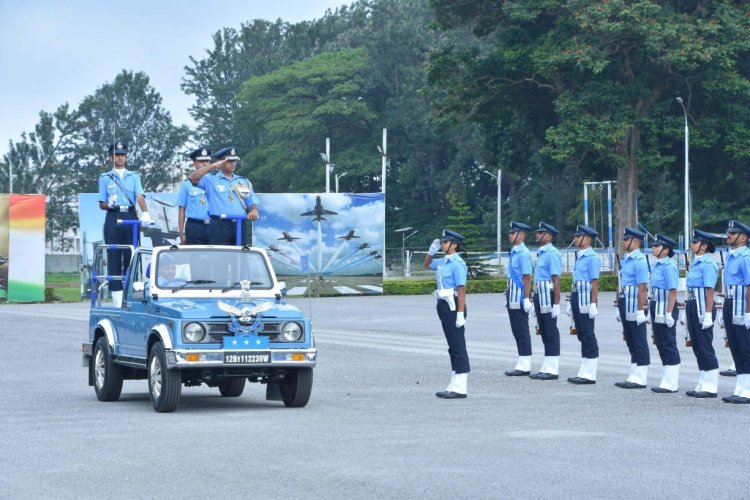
(498, 178)
(687, 180)
(337, 176)
(403, 244)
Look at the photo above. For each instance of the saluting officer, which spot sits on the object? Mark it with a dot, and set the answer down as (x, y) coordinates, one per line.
(119, 191)
(663, 307)
(451, 307)
(230, 196)
(192, 215)
(700, 313)
(583, 302)
(518, 297)
(737, 308)
(547, 300)
(632, 306)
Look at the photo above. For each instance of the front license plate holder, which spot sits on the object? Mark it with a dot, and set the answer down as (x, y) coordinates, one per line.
(247, 357)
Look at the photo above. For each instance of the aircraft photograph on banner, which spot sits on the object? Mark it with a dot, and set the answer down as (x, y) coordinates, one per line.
(324, 244)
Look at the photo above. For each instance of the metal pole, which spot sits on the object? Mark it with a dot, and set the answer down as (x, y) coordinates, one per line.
(328, 164)
(609, 210)
(687, 185)
(585, 204)
(499, 217)
(385, 160)
(10, 176)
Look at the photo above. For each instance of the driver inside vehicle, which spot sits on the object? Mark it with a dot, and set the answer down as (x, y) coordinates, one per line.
(167, 272)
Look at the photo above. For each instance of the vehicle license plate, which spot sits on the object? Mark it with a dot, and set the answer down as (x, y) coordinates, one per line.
(247, 358)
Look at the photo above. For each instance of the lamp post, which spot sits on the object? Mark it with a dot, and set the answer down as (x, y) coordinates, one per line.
(384, 157)
(326, 157)
(404, 237)
(337, 180)
(687, 180)
(498, 178)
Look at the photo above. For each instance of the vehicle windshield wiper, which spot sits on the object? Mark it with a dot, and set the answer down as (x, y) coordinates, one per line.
(230, 287)
(193, 282)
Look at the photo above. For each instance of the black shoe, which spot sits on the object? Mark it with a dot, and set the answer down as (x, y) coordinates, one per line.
(691, 394)
(629, 385)
(738, 400)
(704, 395)
(581, 381)
(517, 373)
(728, 399)
(728, 373)
(544, 376)
(661, 390)
(450, 395)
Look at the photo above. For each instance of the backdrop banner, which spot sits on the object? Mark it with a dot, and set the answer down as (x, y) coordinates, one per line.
(22, 258)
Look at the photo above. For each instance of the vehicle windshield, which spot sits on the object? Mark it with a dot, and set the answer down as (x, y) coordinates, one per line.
(203, 268)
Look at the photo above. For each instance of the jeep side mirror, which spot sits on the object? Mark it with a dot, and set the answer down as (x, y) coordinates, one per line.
(282, 287)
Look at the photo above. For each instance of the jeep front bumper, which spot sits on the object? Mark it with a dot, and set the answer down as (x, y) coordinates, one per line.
(225, 358)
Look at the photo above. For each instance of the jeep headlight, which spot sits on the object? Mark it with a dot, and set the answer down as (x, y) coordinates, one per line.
(194, 332)
(291, 332)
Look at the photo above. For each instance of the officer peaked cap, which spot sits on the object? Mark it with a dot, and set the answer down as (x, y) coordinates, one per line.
(666, 241)
(201, 154)
(582, 230)
(519, 226)
(629, 233)
(118, 148)
(228, 153)
(449, 235)
(736, 226)
(547, 228)
(704, 237)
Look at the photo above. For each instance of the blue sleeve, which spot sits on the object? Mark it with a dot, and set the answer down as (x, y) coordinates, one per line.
(745, 266)
(103, 195)
(555, 264)
(254, 200)
(525, 260)
(710, 275)
(203, 183)
(435, 263)
(673, 277)
(594, 267)
(641, 271)
(182, 195)
(138, 187)
(459, 274)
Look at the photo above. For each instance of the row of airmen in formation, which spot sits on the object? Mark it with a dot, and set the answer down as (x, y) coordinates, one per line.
(210, 204)
(538, 295)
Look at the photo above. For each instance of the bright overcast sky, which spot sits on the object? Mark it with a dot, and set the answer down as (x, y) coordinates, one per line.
(57, 51)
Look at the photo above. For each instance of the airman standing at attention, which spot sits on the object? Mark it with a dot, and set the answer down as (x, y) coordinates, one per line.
(632, 308)
(230, 197)
(737, 308)
(119, 191)
(192, 215)
(451, 274)
(699, 313)
(663, 282)
(518, 297)
(547, 300)
(583, 302)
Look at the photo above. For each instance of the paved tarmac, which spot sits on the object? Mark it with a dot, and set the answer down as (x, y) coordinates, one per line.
(373, 427)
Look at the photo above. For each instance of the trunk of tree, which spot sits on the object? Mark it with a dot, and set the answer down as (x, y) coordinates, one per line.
(627, 183)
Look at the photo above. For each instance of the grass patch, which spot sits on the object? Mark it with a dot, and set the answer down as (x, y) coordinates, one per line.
(63, 278)
(63, 294)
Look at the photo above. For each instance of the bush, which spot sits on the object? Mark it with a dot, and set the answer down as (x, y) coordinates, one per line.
(607, 283)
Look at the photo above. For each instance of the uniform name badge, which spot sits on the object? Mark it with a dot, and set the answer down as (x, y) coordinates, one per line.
(446, 294)
(242, 190)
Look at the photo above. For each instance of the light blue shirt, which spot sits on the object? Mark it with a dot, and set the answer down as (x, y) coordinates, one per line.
(737, 271)
(634, 269)
(193, 199)
(548, 263)
(665, 275)
(130, 181)
(587, 266)
(223, 195)
(704, 272)
(520, 261)
(451, 271)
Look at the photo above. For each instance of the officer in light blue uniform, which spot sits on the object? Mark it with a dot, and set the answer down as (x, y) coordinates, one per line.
(192, 215)
(737, 308)
(700, 313)
(119, 191)
(230, 198)
(663, 283)
(451, 274)
(518, 297)
(547, 300)
(583, 302)
(632, 305)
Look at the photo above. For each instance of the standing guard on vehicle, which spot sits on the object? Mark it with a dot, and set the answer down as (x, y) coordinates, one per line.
(192, 216)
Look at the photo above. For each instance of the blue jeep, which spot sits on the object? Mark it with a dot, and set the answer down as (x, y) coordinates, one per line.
(193, 315)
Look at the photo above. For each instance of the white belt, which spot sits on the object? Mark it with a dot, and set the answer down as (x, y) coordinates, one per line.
(446, 294)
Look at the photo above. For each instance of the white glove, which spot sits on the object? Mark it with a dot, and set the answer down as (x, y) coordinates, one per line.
(555, 310)
(593, 311)
(569, 310)
(670, 320)
(460, 319)
(720, 318)
(617, 315)
(528, 306)
(112, 201)
(747, 320)
(640, 317)
(707, 321)
(146, 219)
(434, 247)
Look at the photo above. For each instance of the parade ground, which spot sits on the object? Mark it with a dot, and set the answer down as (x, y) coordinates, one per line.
(373, 427)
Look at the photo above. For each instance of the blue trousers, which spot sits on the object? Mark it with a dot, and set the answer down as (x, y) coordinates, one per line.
(455, 337)
(224, 232)
(519, 325)
(702, 339)
(739, 340)
(584, 330)
(665, 338)
(196, 233)
(548, 329)
(635, 338)
(118, 260)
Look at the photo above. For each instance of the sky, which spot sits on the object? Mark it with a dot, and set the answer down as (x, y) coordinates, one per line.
(61, 51)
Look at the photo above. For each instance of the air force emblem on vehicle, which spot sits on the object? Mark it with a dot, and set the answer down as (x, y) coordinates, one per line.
(245, 314)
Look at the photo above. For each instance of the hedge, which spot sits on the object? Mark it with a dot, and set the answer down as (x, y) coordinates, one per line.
(607, 283)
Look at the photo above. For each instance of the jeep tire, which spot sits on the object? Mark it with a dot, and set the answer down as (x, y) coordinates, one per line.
(296, 387)
(164, 385)
(108, 376)
(232, 387)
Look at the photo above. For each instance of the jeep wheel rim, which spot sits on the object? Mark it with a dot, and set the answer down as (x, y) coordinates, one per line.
(154, 376)
(99, 368)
